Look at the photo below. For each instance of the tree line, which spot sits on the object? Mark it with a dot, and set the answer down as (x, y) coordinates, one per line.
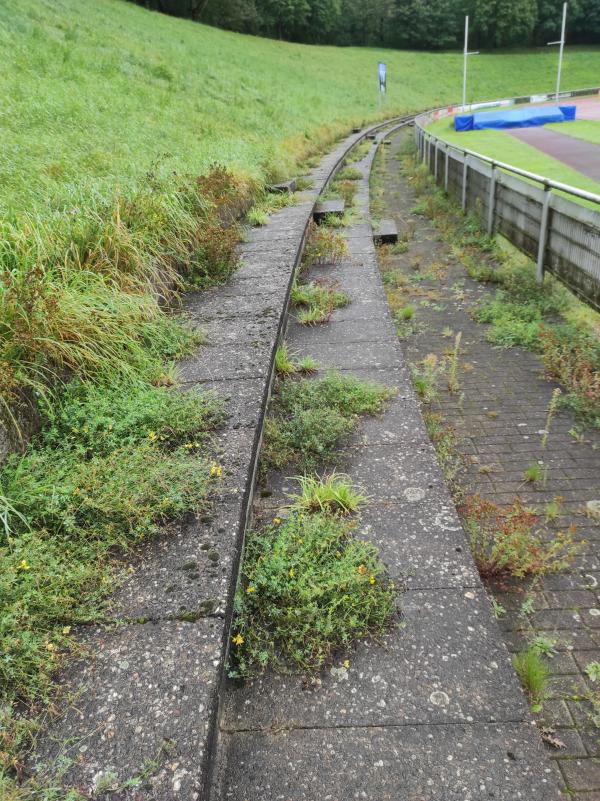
(418, 24)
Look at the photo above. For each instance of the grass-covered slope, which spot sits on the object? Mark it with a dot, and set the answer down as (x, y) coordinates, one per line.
(97, 92)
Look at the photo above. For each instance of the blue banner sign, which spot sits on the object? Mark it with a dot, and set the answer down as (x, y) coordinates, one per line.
(382, 76)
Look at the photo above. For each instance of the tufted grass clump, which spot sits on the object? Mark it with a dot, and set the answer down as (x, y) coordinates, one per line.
(316, 301)
(308, 591)
(333, 493)
(534, 674)
(309, 418)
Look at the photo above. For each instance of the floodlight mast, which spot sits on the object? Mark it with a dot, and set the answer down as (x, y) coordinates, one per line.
(466, 55)
(560, 42)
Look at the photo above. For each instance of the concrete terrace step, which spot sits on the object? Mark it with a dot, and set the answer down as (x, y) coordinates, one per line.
(386, 233)
(146, 692)
(326, 208)
(433, 711)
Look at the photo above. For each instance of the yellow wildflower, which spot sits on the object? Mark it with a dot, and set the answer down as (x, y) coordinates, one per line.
(291, 572)
(50, 646)
(372, 580)
(151, 435)
(24, 565)
(189, 445)
(250, 588)
(277, 520)
(66, 630)
(238, 639)
(346, 663)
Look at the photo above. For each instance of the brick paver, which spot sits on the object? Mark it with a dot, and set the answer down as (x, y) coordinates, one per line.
(498, 414)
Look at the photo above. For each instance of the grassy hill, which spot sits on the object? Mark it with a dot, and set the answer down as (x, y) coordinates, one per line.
(96, 92)
(113, 119)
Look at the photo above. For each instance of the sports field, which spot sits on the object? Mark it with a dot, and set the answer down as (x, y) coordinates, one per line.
(568, 152)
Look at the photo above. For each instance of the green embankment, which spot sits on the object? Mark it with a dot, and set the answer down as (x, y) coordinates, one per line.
(96, 92)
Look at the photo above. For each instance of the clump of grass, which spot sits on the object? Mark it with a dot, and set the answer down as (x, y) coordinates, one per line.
(505, 540)
(334, 493)
(316, 301)
(323, 246)
(407, 312)
(308, 591)
(349, 174)
(309, 418)
(533, 473)
(534, 674)
(285, 365)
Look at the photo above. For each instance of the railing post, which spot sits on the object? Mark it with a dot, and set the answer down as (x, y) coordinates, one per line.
(464, 182)
(435, 162)
(446, 169)
(543, 238)
(492, 201)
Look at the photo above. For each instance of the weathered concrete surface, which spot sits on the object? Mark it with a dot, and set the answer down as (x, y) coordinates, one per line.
(406, 763)
(142, 701)
(410, 717)
(145, 706)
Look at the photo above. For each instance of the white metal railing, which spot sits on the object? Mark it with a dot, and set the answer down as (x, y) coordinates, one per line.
(560, 233)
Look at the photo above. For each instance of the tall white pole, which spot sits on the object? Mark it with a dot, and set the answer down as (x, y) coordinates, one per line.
(465, 56)
(562, 47)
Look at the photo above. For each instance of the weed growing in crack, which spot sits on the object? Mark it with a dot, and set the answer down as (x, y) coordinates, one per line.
(534, 674)
(425, 376)
(505, 540)
(453, 382)
(309, 418)
(308, 591)
(334, 493)
(323, 246)
(533, 473)
(445, 442)
(316, 301)
(286, 366)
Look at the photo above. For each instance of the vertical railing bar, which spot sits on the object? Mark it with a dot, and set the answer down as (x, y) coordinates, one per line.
(464, 182)
(543, 237)
(492, 201)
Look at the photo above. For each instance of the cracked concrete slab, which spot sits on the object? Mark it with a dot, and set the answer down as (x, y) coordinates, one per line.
(406, 763)
(140, 702)
(443, 663)
(185, 573)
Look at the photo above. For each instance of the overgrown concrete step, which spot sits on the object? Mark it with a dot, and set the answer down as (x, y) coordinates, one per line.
(328, 208)
(147, 690)
(283, 187)
(433, 711)
(386, 233)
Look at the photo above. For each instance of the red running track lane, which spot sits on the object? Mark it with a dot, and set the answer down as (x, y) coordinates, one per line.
(576, 153)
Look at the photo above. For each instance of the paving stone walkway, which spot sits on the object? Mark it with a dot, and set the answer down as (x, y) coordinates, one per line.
(499, 415)
(433, 712)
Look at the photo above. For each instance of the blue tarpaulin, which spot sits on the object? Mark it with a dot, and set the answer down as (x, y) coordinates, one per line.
(514, 118)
